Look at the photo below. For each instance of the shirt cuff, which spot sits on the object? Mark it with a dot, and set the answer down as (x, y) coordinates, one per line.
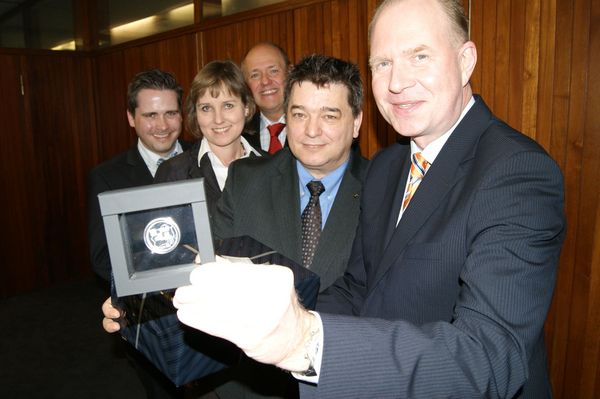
(314, 350)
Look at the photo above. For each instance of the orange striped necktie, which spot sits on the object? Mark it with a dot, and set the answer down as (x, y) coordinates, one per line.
(418, 168)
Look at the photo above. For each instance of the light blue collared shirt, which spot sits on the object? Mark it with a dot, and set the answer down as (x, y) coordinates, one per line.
(331, 182)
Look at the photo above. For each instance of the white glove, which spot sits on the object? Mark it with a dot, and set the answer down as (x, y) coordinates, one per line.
(253, 306)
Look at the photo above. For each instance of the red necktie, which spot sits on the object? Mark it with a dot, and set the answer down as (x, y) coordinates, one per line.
(274, 130)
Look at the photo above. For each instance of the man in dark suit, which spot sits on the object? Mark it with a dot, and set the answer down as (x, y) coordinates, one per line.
(154, 100)
(454, 261)
(154, 110)
(264, 197)
(265, 69)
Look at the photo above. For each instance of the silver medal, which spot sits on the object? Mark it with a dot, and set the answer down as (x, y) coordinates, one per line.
(162, 235)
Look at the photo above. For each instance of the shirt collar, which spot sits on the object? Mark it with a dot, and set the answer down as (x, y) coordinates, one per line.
(329, 181)
(151, 158)
(264, 121)
(432, 150)
(205, 148)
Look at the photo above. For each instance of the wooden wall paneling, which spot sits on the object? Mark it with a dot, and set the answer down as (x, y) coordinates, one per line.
(359, 27)
(557, 324)
(545, 134)
(581, 174)
(175, 54)
(531, 69)
(19, 202)
(475, 12)
(589, 386)
(560, 312)
(243, 34)
(499, 61)
(512, 99)
(484, 37)
(547, 26)
(60, 106)
(110, 90)
(302, 38)
(589, 382)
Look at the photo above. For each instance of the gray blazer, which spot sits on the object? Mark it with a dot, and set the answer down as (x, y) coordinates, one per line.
(452, 301)
(261, 199)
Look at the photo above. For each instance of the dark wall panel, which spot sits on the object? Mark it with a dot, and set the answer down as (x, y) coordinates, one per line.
(20, 177)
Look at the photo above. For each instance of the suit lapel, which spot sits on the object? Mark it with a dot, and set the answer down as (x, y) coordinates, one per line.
(139, 171)
(445, 172)
(341, 223)
(286, 205)
(252, 131)
(395, 191)
(211, 185)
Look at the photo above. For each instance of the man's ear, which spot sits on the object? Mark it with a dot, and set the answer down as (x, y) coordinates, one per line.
(468, 60)
(131, 119)
(356, 125)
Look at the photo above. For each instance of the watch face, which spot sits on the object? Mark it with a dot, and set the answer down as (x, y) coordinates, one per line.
(162, 235)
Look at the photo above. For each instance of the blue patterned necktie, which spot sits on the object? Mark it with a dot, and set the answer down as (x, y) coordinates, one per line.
(161, 160)
(311, 223)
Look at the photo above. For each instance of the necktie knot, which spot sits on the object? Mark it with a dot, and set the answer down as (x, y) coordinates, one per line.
(163, 159)
(418, 168)
(315, 188)
(274, 131)
(420, 165)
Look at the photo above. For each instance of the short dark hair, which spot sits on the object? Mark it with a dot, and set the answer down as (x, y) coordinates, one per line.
(213, 77)
(154, 79)
(454, 10)
(322, 70)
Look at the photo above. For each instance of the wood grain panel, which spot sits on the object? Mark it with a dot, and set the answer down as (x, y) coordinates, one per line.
(558, 327)
(243, 34)
(582, 196)
(110, 84)
(60, 110)
(531, 60)
(20, 237)
(589, 374)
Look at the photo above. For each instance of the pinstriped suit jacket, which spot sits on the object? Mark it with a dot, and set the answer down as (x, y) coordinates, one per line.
(261, 199)
(452, 302)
